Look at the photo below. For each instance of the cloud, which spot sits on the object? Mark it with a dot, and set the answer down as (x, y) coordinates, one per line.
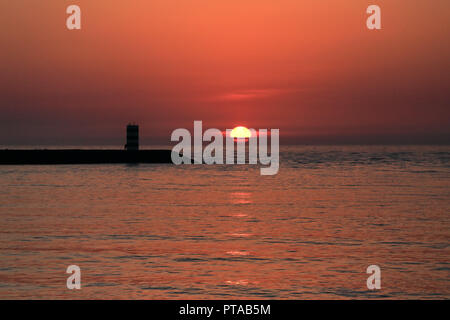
(251, 94)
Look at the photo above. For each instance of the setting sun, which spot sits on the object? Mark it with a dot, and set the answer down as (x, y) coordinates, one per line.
(240, 133)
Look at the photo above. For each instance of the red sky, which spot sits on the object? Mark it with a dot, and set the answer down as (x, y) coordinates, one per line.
(310, 68)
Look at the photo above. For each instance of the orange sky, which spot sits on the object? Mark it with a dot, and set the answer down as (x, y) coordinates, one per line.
(310, 68)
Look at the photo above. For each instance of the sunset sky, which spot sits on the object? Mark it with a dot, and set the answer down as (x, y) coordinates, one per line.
(310, 68)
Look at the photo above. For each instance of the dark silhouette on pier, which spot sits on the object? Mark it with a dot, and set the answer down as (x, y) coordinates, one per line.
(131, 154)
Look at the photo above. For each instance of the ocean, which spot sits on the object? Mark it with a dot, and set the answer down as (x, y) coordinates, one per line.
(153, 231)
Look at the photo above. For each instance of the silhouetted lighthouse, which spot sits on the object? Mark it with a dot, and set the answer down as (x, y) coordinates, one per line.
(132, 137)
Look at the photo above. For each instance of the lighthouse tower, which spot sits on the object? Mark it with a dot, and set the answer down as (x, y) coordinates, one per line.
(132, 137)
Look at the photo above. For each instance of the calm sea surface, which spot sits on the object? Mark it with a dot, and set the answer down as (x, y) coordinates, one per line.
(224, 232)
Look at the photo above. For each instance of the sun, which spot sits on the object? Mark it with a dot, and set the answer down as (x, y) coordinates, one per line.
(240, 133)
